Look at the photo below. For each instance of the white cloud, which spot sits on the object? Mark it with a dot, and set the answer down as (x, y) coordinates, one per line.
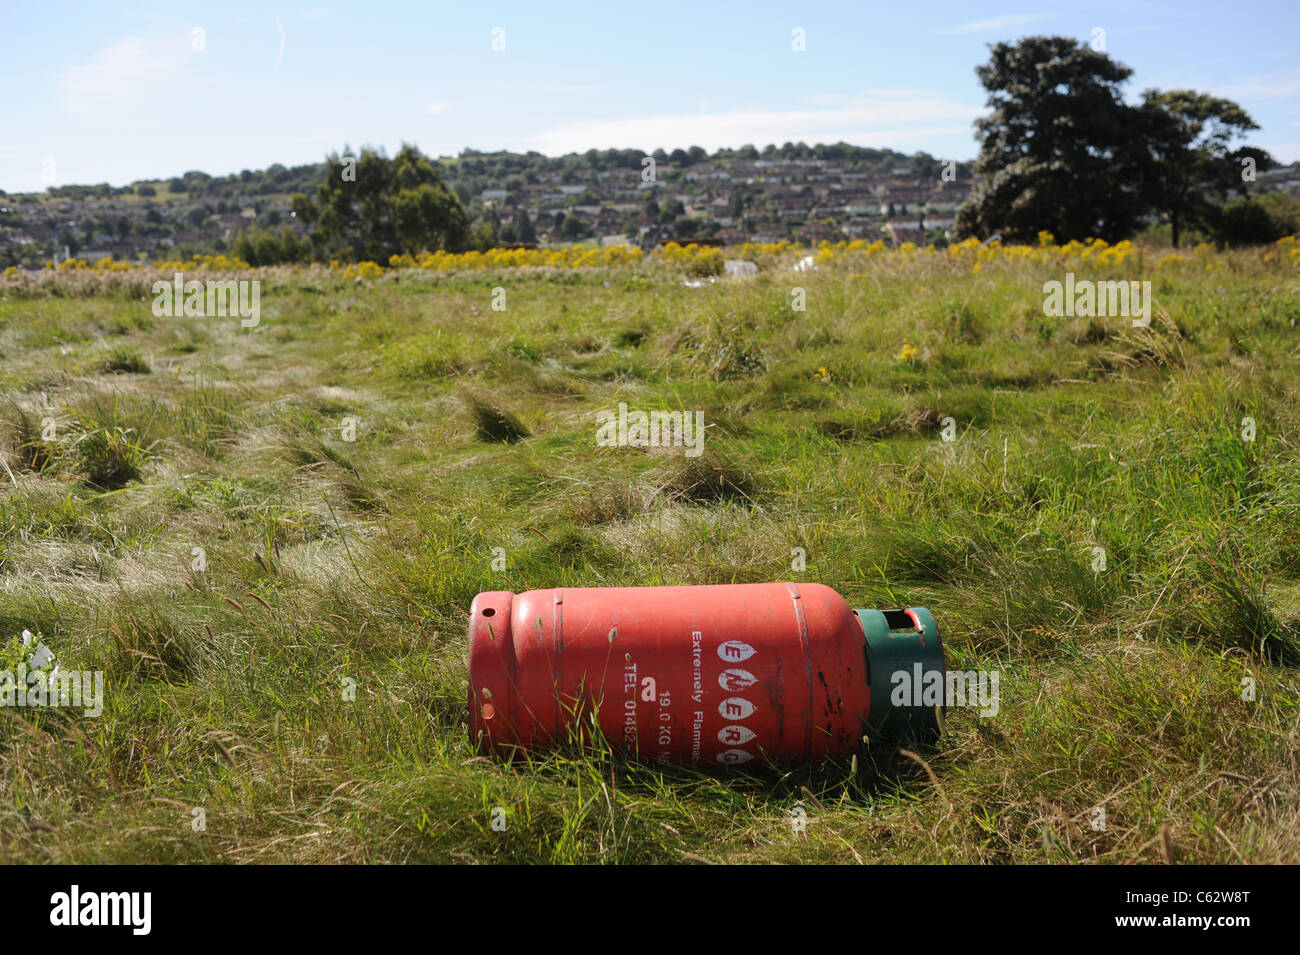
(127, 73)
(870, 97)
(1009, 22)
(1282, 85)
(898, 93)
(868, 121)
(434, 108)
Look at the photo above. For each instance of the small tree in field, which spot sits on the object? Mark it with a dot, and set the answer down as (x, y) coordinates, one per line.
(1193, 166)
(376, 207)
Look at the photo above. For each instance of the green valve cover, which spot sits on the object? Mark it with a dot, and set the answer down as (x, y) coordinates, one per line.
(906, 672)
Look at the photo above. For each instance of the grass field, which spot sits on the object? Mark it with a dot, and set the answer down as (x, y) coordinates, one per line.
(329, 563)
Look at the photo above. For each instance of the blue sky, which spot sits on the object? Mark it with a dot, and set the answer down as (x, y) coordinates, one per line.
(114, 92)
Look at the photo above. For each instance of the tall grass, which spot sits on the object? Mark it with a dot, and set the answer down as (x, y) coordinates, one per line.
(278, 600)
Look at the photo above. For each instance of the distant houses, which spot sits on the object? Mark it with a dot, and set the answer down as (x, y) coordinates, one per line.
(730, 198)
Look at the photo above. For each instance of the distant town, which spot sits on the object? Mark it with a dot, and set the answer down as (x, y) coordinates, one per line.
(799, 193)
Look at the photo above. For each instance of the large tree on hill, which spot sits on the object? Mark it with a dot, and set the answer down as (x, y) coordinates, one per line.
(1193, 166)
(1059, 151)
(377, 207)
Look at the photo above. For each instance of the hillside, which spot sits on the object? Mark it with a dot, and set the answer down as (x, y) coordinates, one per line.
(793, 192)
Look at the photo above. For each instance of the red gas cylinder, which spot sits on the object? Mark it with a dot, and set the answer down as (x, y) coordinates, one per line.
(702, 675)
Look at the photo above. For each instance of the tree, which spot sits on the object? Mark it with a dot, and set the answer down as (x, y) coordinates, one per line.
(1058, 152)
(1192, 166)
(1253, 221)
(736, 203)
(390, 206)
(671, 210)
(524, 227)
(258, 247)
(69, 238)
(481, 236)
(574, 228)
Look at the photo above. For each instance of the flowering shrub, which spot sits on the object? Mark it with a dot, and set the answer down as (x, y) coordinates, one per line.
(571, 258)
(698, 260)
(364, 270)
(198, 262)
(1288, 249)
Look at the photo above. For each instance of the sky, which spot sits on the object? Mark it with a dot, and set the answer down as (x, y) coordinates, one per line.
(120, 91)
